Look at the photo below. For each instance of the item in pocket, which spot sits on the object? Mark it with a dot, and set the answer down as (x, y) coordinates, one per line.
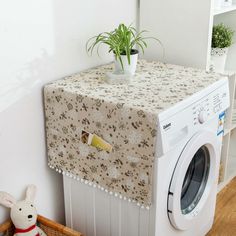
(85, 137)
(95, 141)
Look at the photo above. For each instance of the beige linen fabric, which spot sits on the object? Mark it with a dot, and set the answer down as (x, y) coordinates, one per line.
(124, 115)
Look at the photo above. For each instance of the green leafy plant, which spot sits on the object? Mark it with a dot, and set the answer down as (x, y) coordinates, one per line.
(123, 40)
(222, 36)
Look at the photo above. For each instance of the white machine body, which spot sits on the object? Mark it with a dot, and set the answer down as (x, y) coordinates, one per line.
(185, 177)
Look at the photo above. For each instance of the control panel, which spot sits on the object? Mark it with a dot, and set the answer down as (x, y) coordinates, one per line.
(201, 111)
(205, 108)
(180, 122)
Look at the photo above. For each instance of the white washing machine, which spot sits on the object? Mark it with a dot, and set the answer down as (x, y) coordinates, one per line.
(185, 182)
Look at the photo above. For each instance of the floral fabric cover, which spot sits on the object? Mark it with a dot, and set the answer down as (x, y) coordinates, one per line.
(124, 115)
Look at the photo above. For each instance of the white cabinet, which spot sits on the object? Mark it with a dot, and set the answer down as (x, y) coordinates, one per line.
(185, 29)
(228, 157)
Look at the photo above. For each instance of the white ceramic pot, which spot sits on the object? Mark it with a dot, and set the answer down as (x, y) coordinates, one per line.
(128, 68)
(218, 59)
(222, 3)
(226, 3)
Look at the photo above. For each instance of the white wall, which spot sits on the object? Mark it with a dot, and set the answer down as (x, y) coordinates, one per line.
(41, 41)
(182, 26)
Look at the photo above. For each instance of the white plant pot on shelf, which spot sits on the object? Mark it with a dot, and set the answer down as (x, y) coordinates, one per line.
(128, 68)
(218, 4)
(226, 3)
(218, 59)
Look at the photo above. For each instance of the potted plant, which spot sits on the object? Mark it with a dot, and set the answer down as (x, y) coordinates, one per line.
(123, 42)
(222, 39)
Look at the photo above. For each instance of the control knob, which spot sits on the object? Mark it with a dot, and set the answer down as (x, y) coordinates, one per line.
(202, 117)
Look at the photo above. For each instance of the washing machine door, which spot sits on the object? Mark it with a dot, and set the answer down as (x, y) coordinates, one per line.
(194, 178)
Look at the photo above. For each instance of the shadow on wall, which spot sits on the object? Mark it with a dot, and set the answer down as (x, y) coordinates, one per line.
(24, 80)
(47, 41)
(42, 41)
(26, 48)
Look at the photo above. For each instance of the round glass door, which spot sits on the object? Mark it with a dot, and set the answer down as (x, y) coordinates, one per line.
(195, 180)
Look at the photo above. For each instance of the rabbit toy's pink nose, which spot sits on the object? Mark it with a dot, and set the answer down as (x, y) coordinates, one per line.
(30, 216)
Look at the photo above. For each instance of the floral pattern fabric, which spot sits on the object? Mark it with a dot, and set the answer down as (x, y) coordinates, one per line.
(124, 115)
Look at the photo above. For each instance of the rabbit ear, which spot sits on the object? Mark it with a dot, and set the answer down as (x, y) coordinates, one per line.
(7, 200)
(30, 193)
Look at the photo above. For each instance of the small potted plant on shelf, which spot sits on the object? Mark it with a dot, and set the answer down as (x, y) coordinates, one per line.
(122, 42)
(222, 39)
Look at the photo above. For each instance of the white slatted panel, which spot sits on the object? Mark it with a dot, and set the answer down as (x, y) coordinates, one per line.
(102, 206)
(95, 213)
(133, 219)
(67, 201)
(124, 218)
(115, 216)
(90, 211)
(144, 222)
(78, 206)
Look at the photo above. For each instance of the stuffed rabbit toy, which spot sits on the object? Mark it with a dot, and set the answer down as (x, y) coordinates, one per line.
(23, 213)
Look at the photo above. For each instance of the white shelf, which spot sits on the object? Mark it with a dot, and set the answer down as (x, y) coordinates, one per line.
(229, 72)
(224, 10)
(231, 163)
(233, 127)
(228, 154)
(233, 118)
(231, 168)
(226, 131)
(221, 185)
(231, 124)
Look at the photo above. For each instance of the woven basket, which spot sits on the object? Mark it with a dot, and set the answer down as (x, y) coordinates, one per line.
(51, 228)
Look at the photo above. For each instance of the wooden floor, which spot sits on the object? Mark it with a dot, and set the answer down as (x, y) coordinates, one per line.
(225, 218)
